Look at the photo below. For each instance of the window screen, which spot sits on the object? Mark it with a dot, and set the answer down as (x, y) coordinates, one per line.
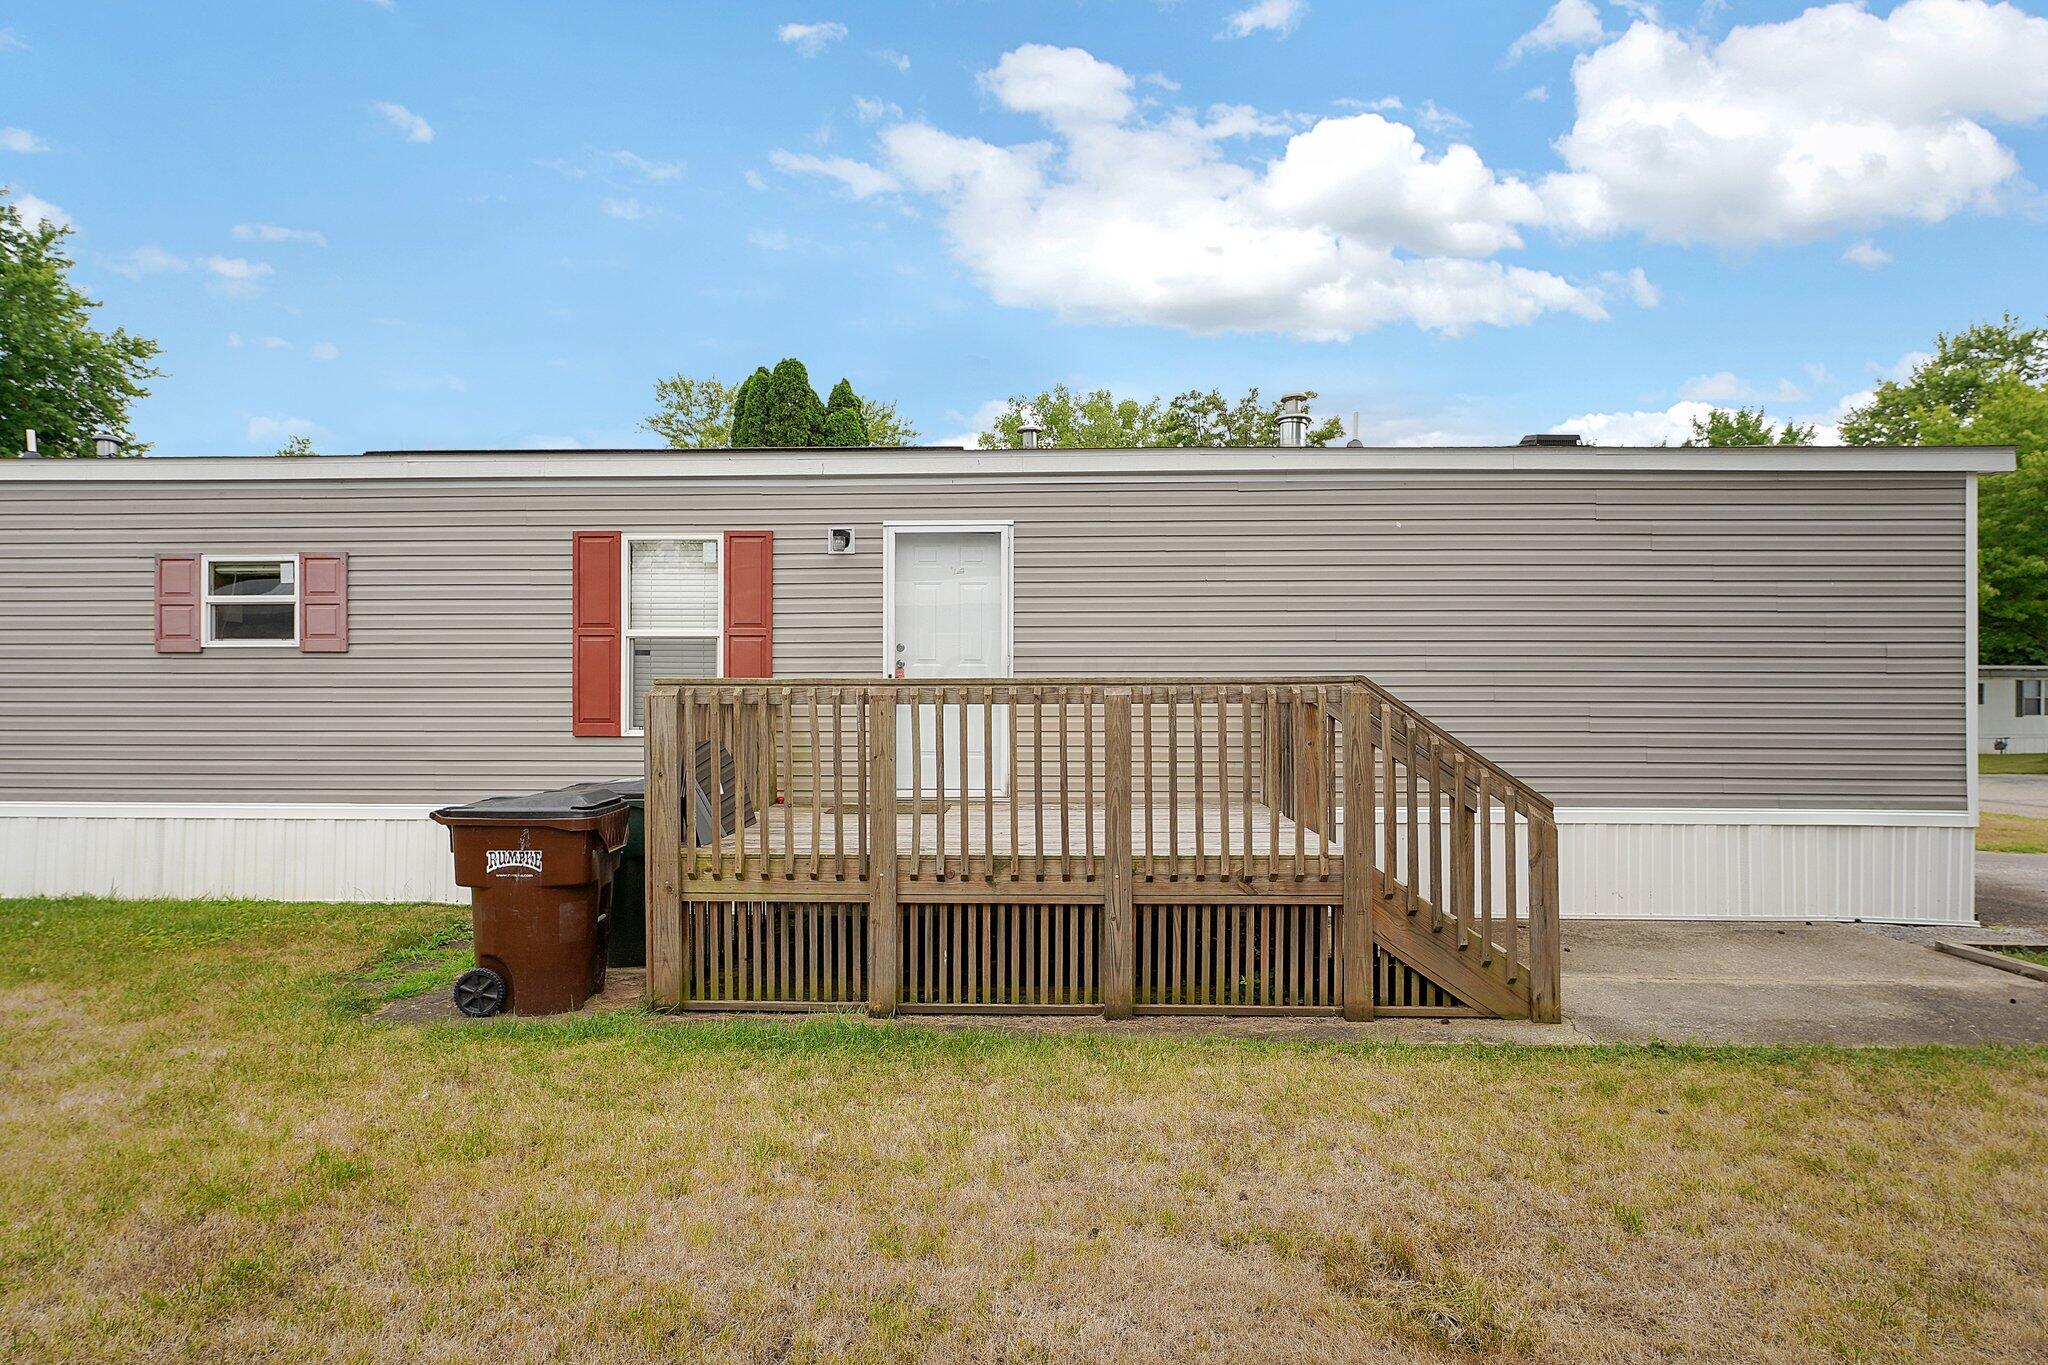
(2028, 699)
(252, 601)
(673, 614)
(661, 658)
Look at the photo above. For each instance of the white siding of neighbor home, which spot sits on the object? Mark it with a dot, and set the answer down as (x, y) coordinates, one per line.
(1753, 639)
(1999, 718)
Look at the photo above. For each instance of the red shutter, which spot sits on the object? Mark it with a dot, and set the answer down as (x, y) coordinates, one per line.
(595, 633)
(323, 604)
(177, 604)
(750, 604)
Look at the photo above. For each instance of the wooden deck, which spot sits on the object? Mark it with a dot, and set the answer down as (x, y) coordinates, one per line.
(1113, 845)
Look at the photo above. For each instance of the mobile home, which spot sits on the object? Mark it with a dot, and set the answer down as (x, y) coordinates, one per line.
(1745, 678)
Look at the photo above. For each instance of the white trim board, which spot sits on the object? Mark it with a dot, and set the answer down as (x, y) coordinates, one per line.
(954, 462)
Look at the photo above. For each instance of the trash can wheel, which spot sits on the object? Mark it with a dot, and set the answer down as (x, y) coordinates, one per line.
(480, 992)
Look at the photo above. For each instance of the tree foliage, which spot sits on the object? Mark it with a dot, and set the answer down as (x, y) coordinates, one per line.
(59, 375)
(1746, 427)
(843, 424)
(1986, 385)
(297, 446)
(1099, 420)
(770, 408)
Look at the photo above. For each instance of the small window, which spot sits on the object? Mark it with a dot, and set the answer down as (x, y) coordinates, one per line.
(674, 611)
(2027, 701)
(1980, 694)
(252, 601)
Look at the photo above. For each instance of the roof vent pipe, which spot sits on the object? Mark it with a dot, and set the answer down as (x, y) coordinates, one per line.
(105, 444)
(28, 451)
(1294, 419)
(1028, 432)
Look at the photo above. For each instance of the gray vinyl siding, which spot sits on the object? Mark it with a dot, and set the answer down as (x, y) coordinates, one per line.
(1630, 640)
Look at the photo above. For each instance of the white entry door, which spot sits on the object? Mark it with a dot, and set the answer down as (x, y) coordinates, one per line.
(950, 614)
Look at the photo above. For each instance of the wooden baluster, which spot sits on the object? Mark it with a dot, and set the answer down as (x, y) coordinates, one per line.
(1411, 807)
(916, 760)
(764, 743)
(1173, 782)
(838, 785)
(1151, 855)
(1390, 826)
(1016, 790)
(939, 775)
(988, 784)
(1201, 794)
(817, 782)
(1439, 894)
(1244, 780)
(1297, 794)
(1325, 772)
(1485, 873)
(1461, 852)
(1066, 832)
(1510, 939)
(1038, 858)
(716, 716)
(1088, 700)
(863, 718)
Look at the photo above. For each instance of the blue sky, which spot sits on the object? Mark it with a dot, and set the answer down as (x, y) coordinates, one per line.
(425, 224)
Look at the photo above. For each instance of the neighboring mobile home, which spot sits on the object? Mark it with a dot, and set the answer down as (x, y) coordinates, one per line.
(1746, 678)
(2012, 709)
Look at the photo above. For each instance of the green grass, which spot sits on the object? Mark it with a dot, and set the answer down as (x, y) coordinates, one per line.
(2001, 833)
(2026, 764)
(214, 1152)
(2037, 956)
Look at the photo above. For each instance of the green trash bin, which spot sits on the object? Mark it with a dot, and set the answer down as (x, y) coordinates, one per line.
(629, 883)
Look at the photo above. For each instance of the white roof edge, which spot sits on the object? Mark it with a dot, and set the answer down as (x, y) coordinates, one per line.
(951, 461)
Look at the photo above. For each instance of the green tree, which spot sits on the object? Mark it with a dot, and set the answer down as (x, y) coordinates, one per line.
(297, 445)
(1954, 379)
(843, 424)
(792, 418)
(1746, 427)
(59, 375)
(747, 408)
(1100, 420)
(693, 414)
(884, 427)
(1986, 385)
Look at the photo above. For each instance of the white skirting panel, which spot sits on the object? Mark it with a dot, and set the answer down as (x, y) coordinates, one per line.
(1895, 867)
(1912, 867)
(309, 853)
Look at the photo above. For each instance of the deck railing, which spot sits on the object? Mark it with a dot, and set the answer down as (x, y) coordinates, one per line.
(1124, 845)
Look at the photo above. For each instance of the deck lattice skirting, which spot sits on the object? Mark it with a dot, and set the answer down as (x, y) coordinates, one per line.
(1122, 846)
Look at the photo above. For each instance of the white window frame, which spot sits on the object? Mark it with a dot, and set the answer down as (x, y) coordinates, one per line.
(208, 601)
(2020, 699)
(626, 632)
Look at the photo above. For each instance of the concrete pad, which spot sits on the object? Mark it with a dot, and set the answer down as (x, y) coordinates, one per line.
(2014, 793)
(1640, 981)
(2012, 891)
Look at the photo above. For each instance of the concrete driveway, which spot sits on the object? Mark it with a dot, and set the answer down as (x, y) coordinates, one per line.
(2014, 794)
(1641, 981)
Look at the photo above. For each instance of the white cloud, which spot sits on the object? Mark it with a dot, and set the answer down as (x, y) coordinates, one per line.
(1643, 293)
(1537, 94)
(234, 341)
(1790, 130)
(1720, 387)
(872, 110)
(415, 128)
(1569, 23)
(1672, 426)
(754, 180)
(860, 179)
(1161, 81)
(266, 429)
(810, 39)
(1117, 217)
(324, 351)
(1275, 16)
(147, 260)
(628, 208)
(21, 140)
(268, 232)
(648, 170)
(276, 344)
(776, 240)
(981, 419)
(1384, 104)
(895, 59)
(35, 212)
(1439, 120)
(10, 41)
(1867, 254)
(237, 276)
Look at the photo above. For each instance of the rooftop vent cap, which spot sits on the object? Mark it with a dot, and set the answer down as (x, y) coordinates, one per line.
(105, 444)
(1028, 433)
(1294, 419)
(28, 450)
(1552, 438)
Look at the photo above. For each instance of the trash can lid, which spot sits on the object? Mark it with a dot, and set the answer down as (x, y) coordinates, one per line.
(582, 801)
(631, 788)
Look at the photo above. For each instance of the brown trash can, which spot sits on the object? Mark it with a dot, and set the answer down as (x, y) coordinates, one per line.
(539, 869)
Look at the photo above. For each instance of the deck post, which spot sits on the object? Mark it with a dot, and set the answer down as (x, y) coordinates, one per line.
(1119, 919)
(883, 920)
(664, 835)
(1354, 922)
(1546, 957)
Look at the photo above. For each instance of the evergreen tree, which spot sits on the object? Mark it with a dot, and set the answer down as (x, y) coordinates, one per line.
(844, 423)
(748, 402)
(791, 417)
